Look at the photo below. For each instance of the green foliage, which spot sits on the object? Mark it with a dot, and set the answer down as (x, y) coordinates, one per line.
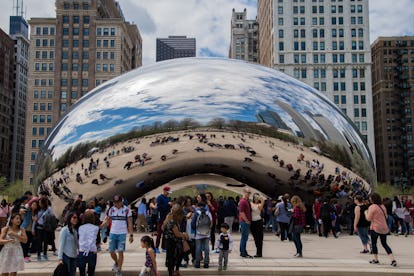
(389, 190)
(14, 190)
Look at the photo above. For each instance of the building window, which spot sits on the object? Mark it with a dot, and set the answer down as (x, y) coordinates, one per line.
(280, 33)
(74, 82)
(63, 94)
(363, 99)
(112, 43)
(86, 19)
(364, 126)
(34, 143)
(85, 43)
(343, 99)
(336, 99)
(98, 31)
(280, 21)
(356, 112)
(66, 6)
(34, 131)
(35, 106)
(62, 107)
(33, 156)
(65, 43)
(76, 19)
(281, 46)
(86, 31)
(65, 19)
(280, 10)
(85, 67)
(74, 95)
(34, 119)
(75, 67)
(85, 82)
(76, 43)
(112, 31)
(356, 99)
(363, 112)
(38, 31)
(49, 106)
(85, 6)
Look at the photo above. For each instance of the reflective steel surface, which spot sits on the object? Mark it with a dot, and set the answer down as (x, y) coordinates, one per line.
(239, 110)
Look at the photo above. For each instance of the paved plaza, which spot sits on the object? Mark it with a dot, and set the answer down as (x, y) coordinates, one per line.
(322, 256)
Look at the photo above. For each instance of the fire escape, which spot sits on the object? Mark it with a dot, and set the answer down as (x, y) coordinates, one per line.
(402, 90)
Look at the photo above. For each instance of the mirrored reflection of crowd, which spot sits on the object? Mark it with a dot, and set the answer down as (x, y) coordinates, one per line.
(190, 229)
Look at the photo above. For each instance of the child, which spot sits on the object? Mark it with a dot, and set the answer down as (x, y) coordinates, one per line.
(225, 244)
(150, 267)
(11, 256)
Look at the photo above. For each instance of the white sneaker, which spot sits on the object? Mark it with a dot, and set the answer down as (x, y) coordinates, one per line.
(115, 268)
(118, 273)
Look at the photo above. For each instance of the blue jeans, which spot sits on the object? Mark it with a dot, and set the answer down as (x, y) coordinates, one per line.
(117, 242)
(272, 222)
(90, 259)
(245, 230)
(363, 235)
(298, 242)
(70, 264)
(202, 246)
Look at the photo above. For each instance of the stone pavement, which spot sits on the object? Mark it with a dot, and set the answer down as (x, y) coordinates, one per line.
(322, 256)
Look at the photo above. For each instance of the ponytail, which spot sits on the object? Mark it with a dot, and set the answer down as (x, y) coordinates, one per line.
(148, 240)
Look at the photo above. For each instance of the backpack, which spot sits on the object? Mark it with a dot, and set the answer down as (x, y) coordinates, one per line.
(203, 223)
(50, 222)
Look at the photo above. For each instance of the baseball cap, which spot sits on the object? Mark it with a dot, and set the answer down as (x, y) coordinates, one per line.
(167, 189)
(117, 198)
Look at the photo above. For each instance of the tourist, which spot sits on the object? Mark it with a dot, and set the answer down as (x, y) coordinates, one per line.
(283, 214)
(29, 212)
(4, 213)
(225, 245)
(68, 244)
(398, 213)
(299, 222)
(154, 214)
(11, 256)
(361, 224)
(316, 210)
(88, 233)
(188, 210)
(327, 214)
(120, 217)
(230, 212)
(44, 237)
(212, 206)
(257, 223)
(245, 219)
(163, 206)
(270, 206)
(201, 226)
(377, 215)
(142, 223)
(150, 266)
(174, 239)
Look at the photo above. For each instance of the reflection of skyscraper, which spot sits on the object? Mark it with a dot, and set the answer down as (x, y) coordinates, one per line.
(273, 119)
(306, 129)
(175, 47)
(326, 45)
(88, 43)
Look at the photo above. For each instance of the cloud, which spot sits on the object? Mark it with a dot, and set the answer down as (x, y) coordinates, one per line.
(391, 18)
(209, 20)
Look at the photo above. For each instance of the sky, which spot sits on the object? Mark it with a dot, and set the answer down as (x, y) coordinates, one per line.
(209, 20)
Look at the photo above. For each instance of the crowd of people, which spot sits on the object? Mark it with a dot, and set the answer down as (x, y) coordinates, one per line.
(188, 229)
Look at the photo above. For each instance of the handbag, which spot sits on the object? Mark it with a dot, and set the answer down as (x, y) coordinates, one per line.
(186, 246)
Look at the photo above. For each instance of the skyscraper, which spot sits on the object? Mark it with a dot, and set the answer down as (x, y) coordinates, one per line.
(175, 47)
(393, 99)
(19, 30)
(86, 44)
(6, 101)
(324, 44)
(244, 37)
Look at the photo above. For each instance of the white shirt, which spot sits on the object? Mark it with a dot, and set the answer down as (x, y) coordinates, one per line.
(255, 212)
(87, 237)
(119, 219)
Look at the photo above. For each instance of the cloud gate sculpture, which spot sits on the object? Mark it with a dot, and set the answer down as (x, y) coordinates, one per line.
(198, 116)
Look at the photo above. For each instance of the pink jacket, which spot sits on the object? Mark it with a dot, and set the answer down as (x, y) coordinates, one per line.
(377, 214)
